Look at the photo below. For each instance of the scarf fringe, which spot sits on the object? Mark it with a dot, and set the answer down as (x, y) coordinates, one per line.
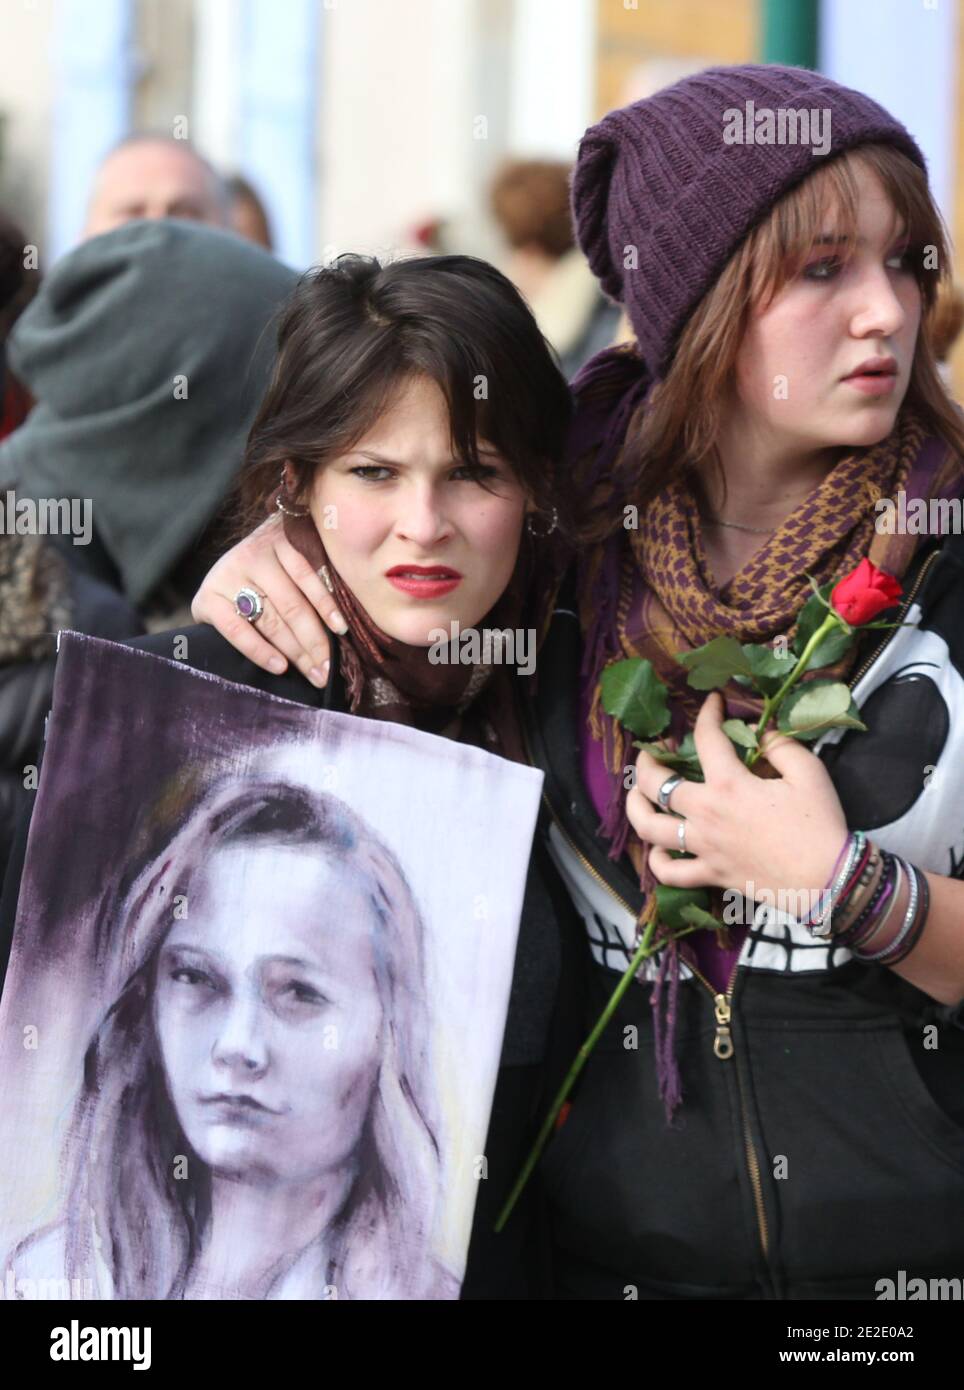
(616, 750)
(664, 1031)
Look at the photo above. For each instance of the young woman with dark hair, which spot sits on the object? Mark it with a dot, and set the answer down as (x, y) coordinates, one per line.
(410, 441)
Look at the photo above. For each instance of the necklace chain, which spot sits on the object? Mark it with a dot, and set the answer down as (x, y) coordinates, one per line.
(738, 526)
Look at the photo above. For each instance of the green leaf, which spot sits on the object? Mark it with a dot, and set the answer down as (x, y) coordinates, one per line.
(740, 733)
(689, 766)
(634, 694)
(812, 709)
(713, 665)
(687, 748)
(672, 901)
(769, 670)
(831, 649)
(696, 917)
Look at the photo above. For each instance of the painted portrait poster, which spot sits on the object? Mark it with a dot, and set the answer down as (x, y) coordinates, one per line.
(251, 1027)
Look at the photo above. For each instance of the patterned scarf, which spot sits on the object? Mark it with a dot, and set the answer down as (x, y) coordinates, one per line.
(650, 593)
(667, 602)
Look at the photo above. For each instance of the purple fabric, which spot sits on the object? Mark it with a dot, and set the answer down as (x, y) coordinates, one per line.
(715, 964)
(661, 200)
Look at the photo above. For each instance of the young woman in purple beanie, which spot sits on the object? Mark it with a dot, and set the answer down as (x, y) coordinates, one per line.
(788, 1121)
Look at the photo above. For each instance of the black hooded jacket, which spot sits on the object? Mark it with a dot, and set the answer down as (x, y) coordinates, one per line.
(819, 1147)
(147, 351)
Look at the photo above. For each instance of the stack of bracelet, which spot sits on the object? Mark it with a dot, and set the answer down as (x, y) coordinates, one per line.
(867, 889)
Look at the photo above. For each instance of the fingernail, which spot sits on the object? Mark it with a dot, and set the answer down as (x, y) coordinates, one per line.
(337, 624)
(277, 664)
(319, 677)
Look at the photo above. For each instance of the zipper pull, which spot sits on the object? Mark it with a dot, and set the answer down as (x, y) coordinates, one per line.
(722, 1043)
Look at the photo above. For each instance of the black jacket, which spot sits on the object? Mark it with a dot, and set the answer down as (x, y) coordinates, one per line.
(26, 688)
(544, 1016)
(827, 1151)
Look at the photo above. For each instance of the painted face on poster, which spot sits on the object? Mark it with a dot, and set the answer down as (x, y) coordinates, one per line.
(269, 1025)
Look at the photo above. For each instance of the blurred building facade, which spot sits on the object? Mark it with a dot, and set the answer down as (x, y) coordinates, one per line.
(358, 120)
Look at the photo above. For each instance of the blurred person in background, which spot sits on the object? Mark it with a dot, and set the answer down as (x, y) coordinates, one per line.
(17, 287)
(248, 214)
(151, 176)
(530, 202)
(146, 353)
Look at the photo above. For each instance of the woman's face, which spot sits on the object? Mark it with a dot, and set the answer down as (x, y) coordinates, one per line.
(267, 1014)
(416, 541)
(795, 388)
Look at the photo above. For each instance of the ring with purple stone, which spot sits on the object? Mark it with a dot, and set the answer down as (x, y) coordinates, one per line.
(249, 604)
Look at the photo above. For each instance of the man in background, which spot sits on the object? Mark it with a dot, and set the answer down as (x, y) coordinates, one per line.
(152, 176)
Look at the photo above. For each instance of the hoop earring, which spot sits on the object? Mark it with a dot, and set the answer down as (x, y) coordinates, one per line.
(279, 503)
(541, 535)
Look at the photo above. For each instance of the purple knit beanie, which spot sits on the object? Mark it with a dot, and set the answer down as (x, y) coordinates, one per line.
(677, 180)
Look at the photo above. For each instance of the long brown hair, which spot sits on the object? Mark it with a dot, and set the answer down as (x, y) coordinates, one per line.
(153, 1225)
(675, 429)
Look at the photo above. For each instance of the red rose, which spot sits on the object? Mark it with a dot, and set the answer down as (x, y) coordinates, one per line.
(860, 596)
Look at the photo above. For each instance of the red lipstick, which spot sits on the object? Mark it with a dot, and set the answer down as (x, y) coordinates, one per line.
(424, 581)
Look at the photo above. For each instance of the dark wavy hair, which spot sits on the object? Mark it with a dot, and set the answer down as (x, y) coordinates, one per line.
(353, 332)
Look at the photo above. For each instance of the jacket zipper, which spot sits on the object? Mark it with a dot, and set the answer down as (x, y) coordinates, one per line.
(904, 608)
(722, 1042)
(585, 862)
(723, 1049)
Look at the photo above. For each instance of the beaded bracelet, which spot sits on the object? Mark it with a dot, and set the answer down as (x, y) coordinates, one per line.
(917, 930)
(874, 919)
(858, 878)
(841, 856)
(855, 898)
(880, 888)
(909, 918)
(910, 928)
(872, 923)
(853, 852)
(865, 888)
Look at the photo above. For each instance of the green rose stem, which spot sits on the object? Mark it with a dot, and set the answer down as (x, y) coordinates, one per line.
(772, 702)
(644, 949)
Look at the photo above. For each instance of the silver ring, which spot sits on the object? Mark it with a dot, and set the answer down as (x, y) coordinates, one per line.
(681, 835)
(667, 790)
(326, 579)
(249, 604)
